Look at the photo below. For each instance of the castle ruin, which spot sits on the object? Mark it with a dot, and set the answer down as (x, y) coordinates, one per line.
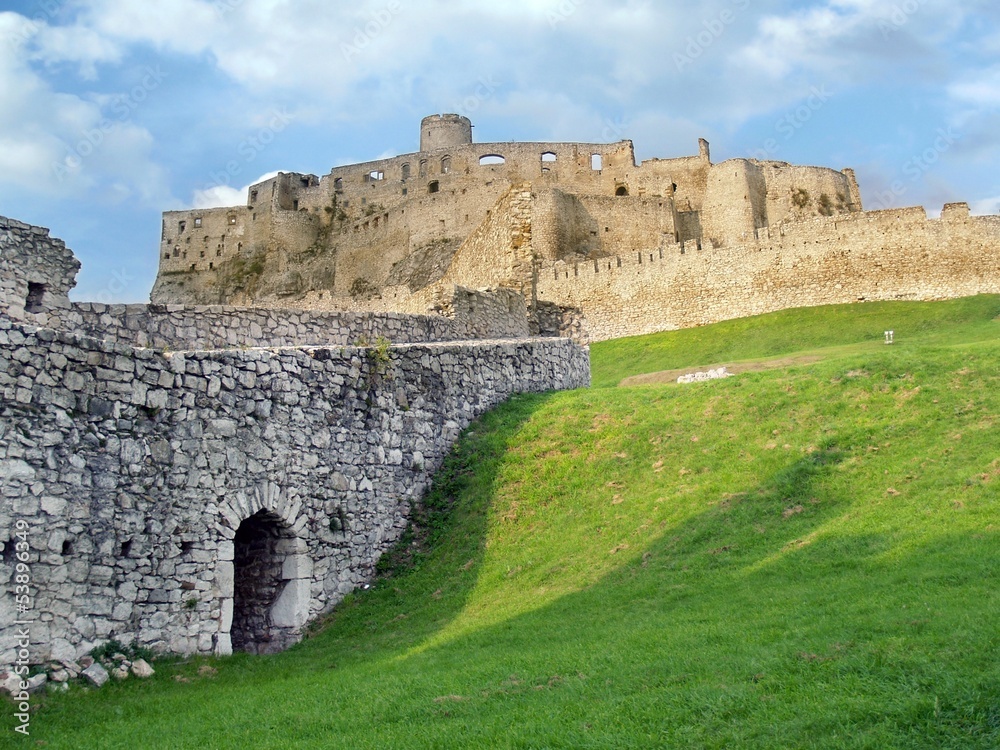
(581, 231)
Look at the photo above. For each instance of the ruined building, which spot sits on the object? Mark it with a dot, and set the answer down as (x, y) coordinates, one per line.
(580, 231)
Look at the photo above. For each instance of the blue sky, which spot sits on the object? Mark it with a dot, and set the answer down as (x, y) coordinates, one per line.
(112, 111)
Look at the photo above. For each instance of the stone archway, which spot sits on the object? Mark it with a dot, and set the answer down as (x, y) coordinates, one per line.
(271, 577)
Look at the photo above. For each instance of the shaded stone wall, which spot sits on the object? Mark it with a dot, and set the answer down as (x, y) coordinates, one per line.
(134, 471)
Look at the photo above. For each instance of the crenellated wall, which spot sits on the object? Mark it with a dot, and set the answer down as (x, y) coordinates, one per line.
(879, 255)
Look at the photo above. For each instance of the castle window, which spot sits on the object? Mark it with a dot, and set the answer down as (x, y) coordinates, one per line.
(295, 205)
(232, 219)
(33, 302)
(445, 164)
(181, 226)
(490, 159)
(375, 176)
(338, 183)
(211, 266)
(166, 256)
(549, 156)
(621, 190)
(253, 196)
(596, 162)
(218, 252)
(433, 186)
(406, 171)
(404, 191)
(423, 167)
(177, 251)
(197, 221)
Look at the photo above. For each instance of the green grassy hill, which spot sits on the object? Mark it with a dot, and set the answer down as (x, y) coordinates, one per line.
(801, 557)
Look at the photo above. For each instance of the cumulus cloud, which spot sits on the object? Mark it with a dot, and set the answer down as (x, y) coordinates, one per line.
(223, 196)
(59, 144)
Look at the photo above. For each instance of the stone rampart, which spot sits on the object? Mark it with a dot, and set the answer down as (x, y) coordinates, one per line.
(201, 500)
(878, 255)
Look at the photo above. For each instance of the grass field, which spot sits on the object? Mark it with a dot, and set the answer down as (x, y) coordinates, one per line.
(805, 557)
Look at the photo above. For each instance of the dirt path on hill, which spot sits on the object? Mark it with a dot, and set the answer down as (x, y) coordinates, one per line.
(670, 376)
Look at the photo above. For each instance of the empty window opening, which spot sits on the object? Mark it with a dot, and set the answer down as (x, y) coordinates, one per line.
(597, 162)
(621, 190)
(177, 251)
(338, 183)
(218, 252)
(253, 196)
(295, 205)
(406, 171)
(489, 159)
(404, 191)
(211, 266)
(239, 247)
(67, 547)
(193, 266)
(423, 167)
(181, 226)
(126, 548)
(433, 186)
(445, 164)
(202, 254)
(259, 553)
(197, 221)
(375, 175)
(166, 256)
(549, 157)
(33, 302)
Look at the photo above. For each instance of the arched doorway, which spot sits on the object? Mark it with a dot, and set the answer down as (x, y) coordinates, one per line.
(260, 550)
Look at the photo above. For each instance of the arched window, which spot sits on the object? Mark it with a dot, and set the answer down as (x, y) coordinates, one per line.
(597, 162)
(423, 167)
(445, 164)
(548, 156)
(621, 190)
(406, 171)
(338, 183)
(490, 159)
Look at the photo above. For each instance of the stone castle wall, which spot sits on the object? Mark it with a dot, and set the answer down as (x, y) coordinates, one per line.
(881, 255)
(36, 272)
(199, 480)
(396, 222)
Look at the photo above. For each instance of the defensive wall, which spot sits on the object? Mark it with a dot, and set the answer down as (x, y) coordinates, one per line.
(196, 499)
(877, 255)
(343, 239)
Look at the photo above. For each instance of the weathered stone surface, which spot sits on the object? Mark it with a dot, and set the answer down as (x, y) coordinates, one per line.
(96, 675)
(142, 669)
(248, 489)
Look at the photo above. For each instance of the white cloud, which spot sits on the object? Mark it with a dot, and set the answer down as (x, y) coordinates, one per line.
(978, 88)
(223, 196)
(58, 144)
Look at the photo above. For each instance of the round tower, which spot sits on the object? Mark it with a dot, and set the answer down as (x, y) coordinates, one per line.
(445, 131)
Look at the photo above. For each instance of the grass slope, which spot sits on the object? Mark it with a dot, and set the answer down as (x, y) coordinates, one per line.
(796, 558)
